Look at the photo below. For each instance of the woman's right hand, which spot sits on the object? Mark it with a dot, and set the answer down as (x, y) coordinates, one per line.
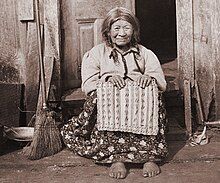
(117, 81)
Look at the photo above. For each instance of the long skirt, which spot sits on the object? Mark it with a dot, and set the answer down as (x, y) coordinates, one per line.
(81, 136)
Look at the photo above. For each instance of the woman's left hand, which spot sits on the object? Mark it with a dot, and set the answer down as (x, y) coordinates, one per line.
(143, 81)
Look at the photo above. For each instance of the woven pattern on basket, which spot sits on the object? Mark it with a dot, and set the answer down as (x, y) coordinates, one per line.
(131, 109)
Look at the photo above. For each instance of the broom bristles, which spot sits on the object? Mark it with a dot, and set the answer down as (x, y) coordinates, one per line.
(47, 138)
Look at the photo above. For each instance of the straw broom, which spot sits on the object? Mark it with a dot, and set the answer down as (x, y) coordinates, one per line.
(47, 138)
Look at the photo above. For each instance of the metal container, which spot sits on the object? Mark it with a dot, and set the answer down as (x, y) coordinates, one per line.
(19, 133)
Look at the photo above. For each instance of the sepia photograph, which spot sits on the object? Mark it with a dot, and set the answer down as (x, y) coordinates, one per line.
(106, 91)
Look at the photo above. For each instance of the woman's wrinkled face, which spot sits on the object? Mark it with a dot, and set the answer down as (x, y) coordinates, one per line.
(121, 33)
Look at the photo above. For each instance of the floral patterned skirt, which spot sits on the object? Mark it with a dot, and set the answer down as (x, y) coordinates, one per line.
(81, 136)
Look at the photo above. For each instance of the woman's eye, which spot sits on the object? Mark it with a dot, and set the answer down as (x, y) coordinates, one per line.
(127, 28)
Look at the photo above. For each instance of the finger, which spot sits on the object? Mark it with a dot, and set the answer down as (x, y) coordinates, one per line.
(122, 176)
(121, 82)
(118, 175)
(142, 82)
(138, 81)
(114, 175)
(149, 81)
(150, 174)
(114, 81)
(153, 173)
(145, 83)
(118, 85)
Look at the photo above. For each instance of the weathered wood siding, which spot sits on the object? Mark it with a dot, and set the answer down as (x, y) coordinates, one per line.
(216, 53)
(198, 49)
(203, 40)
(11, 57)
(185, 54)
(19, 57)
(12, 64)
(52, 47)
(184, 14)
(29, 45)
(19, 54)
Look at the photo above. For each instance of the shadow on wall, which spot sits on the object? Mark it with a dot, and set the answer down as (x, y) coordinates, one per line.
(8, 73)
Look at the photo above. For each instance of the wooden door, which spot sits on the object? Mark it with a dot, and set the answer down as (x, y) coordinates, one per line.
(80, 28)
(198, 26)
(204, 14)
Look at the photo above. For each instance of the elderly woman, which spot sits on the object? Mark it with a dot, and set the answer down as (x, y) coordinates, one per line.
(118, 59)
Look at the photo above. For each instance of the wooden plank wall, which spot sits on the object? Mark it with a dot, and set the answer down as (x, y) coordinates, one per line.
(198, 27)
(12, 65)
(49, 20)
(52, 46)
(11, 60)
(206, 45)
(11, 97)
(185, 54)
(25, 10)
(216, 52)
(185, 47)
(28, 39)
(19, 57)
(203, 40)
(32, 68)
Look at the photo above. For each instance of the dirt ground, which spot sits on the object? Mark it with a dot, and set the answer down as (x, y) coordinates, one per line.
(185, 164)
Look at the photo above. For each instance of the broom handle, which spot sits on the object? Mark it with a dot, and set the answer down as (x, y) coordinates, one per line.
(41, 63)
(198, 97)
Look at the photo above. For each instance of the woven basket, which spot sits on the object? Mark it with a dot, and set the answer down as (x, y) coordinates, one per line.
(131, 109)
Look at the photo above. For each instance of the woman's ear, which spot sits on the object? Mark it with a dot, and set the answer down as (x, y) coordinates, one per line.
(109, 40)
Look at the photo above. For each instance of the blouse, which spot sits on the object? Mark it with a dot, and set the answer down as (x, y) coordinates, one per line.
(98, 64)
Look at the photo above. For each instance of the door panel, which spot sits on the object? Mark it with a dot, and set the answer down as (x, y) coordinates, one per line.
(81, 29)
(86, 35)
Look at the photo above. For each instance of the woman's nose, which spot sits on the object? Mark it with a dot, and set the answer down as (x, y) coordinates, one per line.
(121, 32)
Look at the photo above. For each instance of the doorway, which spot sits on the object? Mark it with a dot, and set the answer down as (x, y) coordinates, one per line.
(158, 27)
(158, 33)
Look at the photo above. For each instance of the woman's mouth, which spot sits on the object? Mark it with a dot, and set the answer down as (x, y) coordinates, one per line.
(122, 40)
